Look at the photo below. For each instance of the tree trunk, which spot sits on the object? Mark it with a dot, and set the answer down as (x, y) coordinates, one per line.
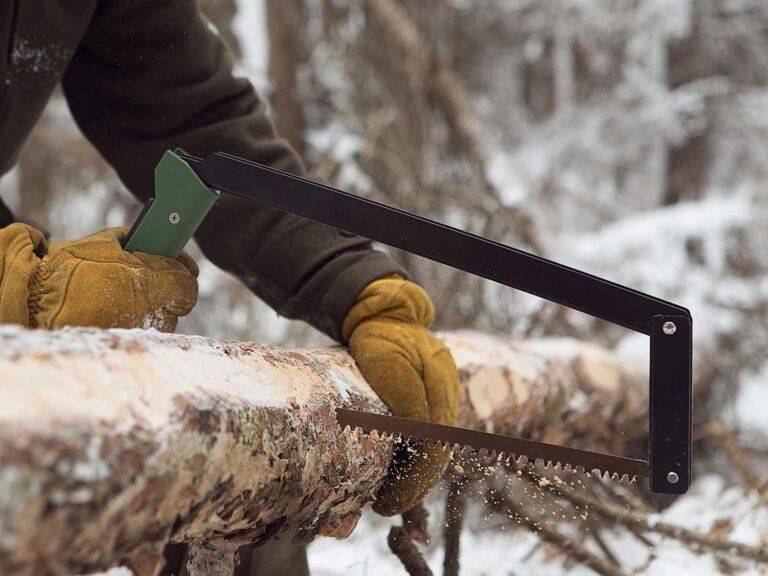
(285, 22)
(114, 443)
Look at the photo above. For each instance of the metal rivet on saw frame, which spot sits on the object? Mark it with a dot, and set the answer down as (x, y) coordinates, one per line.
(673, 478)
(174, 218)
(669, 328)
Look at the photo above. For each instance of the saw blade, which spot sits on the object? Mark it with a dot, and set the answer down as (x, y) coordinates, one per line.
(533, 451)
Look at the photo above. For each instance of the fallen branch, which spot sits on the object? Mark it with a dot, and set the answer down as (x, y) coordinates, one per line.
(114, 443)
(604, 548)
(571, 548)
(455, 505)
(730, 446)
(404, 548)
(641, 522)
(416, 523)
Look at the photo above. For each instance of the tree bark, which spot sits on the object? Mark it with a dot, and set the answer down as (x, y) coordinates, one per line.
(114, 443)
(285, 22)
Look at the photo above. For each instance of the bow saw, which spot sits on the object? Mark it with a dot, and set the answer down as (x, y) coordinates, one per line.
(187, 187)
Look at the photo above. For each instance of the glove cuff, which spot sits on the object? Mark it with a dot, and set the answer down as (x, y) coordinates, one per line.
(392, 298)
(20, 248)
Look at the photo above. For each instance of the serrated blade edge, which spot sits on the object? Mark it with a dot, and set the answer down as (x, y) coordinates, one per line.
(531, 449)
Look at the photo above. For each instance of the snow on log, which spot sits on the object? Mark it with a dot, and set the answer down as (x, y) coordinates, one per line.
(113, 443)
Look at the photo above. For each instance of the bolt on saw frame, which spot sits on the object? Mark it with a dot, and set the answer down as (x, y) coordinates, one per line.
(187, 187)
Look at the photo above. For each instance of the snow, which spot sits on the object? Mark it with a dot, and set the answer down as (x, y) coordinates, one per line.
(490, 551)
(98, 390)
(342, 386)
(339, 143)
(648, 252)
(250, 25)
(749, 410)
(365, 553)
(674, 559)
(657, 230)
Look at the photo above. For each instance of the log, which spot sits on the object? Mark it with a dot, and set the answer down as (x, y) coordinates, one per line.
(114, 443)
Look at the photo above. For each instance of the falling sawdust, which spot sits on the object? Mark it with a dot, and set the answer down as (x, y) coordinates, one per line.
(494, 493)
(507, 495)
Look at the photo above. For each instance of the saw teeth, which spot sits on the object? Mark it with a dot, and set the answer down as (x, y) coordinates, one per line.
(511, 459)
(463, 451)
(445, 446)
(603, 475)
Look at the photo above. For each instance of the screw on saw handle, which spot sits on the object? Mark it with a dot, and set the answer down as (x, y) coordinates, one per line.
(180, 205)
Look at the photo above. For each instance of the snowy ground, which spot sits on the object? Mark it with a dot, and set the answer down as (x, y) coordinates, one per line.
(490, 551)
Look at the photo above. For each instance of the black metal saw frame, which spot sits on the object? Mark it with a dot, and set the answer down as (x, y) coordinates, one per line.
(668, 325)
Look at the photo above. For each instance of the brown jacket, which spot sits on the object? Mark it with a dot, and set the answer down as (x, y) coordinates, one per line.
(144, 76)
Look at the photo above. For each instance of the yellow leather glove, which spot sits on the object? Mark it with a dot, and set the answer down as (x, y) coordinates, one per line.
(90, 282)
(412, 372)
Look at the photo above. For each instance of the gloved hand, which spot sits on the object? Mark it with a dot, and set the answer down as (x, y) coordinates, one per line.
(90, 282)
(412, 372)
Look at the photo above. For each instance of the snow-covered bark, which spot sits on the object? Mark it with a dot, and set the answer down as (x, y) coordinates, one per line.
(113, 443)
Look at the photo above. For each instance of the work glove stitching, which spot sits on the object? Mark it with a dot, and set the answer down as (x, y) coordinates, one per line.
(442, 348)
(65, 292)
(52, 260)
(36, 291)
(395, 303)
(398, 344)
(133, 265)
(380, 303)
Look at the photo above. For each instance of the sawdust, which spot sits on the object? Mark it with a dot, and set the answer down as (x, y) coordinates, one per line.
(523, 495)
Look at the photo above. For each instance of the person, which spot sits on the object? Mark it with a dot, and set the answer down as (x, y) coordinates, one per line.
(144, 76)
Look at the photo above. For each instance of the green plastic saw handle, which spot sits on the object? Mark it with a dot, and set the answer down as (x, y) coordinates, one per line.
(170, 219)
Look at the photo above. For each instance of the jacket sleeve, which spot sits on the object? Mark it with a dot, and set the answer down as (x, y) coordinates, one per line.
(152, 75)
